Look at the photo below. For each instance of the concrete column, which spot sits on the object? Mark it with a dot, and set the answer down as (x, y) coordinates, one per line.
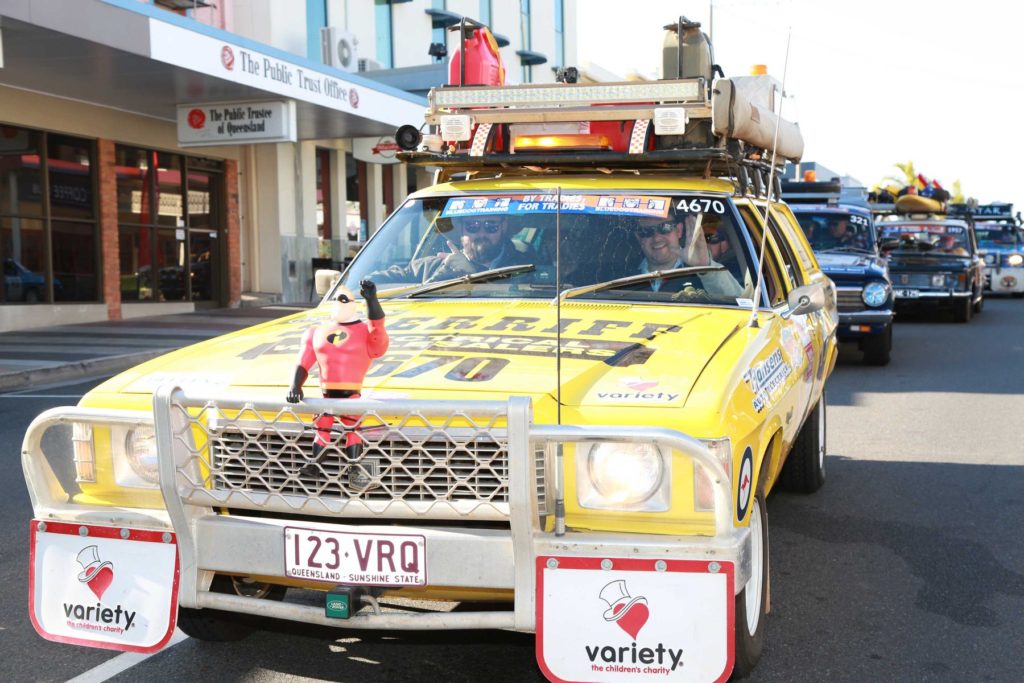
(339, 197)
(233, 234)
(401, 183)
(272, 224)
(375, 212)
(110, 276)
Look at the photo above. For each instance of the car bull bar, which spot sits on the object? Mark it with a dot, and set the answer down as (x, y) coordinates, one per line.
(225, 453)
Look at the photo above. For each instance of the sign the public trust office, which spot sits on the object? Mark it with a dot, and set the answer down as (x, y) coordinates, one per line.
(239, 123)
(278, 76)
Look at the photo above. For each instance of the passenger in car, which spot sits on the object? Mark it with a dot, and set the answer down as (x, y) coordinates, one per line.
(484, 243)
(662, 244)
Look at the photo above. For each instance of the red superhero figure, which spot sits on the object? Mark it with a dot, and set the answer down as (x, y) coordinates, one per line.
(342, 349)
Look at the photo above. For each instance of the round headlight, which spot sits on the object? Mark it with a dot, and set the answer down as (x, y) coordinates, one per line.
(626, 473)
(1015, 259)
(875, 294)
(140, 447)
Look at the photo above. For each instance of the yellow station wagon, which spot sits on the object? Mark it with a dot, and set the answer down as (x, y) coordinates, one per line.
(587, 396)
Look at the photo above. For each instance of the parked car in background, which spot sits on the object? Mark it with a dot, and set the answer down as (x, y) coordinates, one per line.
(934, 265)
(22, 284)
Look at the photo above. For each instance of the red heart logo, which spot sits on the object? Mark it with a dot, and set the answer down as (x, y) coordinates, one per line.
(634, 619)
(101, 581)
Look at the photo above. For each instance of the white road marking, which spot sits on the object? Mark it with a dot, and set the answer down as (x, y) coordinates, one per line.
(123, 662)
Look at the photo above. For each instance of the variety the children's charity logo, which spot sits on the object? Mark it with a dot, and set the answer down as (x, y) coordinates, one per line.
(629, 613)
(97, 575)
(196, 119)
(227, 57)
(353, 98)
(639, 384)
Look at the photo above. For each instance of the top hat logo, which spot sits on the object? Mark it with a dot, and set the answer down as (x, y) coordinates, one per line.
(96, 574)
(629, 613)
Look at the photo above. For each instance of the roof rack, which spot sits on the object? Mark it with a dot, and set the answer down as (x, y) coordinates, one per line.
(996, 211)
(724, 129)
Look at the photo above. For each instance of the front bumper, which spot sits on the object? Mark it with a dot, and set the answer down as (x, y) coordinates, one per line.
(860, 324)
(1004, 280)
(491, 556)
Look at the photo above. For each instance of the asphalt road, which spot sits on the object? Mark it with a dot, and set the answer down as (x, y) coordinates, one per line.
(908, 565)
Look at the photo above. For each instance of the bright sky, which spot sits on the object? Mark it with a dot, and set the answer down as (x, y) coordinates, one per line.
(874, 82)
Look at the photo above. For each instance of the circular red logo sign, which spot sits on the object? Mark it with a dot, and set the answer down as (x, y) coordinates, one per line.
(196, 119)
(227, 57)
(353, 98)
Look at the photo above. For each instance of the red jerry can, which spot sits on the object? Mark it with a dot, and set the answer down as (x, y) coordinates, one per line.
(483, 61)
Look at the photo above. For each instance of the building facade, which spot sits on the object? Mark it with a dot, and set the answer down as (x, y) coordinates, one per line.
(158, 156)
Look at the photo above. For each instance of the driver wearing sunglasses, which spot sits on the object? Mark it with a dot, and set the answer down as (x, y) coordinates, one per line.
(484, 243)
(664, 248)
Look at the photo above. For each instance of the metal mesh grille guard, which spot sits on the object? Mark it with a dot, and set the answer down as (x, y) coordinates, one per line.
(378, 463)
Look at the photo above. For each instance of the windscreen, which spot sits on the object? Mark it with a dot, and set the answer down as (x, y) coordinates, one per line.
(997, 236)
(927, 237)
(831, 231)
(507, 246)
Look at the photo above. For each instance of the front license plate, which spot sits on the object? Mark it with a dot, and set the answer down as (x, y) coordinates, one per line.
(358, 559)
(907, 293)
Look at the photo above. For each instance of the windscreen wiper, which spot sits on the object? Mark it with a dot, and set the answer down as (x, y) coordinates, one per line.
(636, 279)
(489, 274)
(846, 247)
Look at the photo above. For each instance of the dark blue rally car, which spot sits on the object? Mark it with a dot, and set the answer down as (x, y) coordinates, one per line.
(844, 241)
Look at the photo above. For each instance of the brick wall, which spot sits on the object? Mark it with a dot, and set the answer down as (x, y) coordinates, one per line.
(233, 229)
(110, 258)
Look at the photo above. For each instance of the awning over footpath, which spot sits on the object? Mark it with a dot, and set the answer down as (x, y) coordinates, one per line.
(138, 58)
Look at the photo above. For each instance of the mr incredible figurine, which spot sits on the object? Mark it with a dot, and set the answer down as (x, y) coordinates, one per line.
(342, 349)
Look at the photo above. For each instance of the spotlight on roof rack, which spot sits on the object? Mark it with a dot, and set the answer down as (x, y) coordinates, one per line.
(408, 137)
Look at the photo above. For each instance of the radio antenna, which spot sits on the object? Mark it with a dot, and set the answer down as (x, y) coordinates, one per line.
(771, 184)
(559, 478)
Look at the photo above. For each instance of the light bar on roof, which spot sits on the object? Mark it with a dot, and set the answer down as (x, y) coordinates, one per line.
(568, 95)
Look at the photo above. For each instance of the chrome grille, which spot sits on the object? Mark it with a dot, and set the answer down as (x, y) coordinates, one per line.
(387, 466)
(455, 466)
(912, 280)
(849, 299)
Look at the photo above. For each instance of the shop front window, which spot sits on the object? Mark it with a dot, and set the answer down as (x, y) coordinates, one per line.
(21, 180)
(24, 260)
(47, 197)
(170, 209)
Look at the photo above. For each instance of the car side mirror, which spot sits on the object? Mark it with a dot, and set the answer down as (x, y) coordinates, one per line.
(806, 299)
(325, 279)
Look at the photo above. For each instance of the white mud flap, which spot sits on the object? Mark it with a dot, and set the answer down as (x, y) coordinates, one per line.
(101, 586)
(617, 619)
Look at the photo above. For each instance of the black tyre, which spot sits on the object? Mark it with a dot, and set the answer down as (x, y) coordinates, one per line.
(222, 627)
(752, 601)
(804, 469)
(877, 349)
(962, 312)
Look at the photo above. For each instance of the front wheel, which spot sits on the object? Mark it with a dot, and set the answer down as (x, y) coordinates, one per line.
(962, 313)
(877, 348)
(222, 627)
(752, 601)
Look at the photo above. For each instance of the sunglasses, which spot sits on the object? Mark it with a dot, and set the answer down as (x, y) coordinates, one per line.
(714, 238)
(646, 231)
(490, 227)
